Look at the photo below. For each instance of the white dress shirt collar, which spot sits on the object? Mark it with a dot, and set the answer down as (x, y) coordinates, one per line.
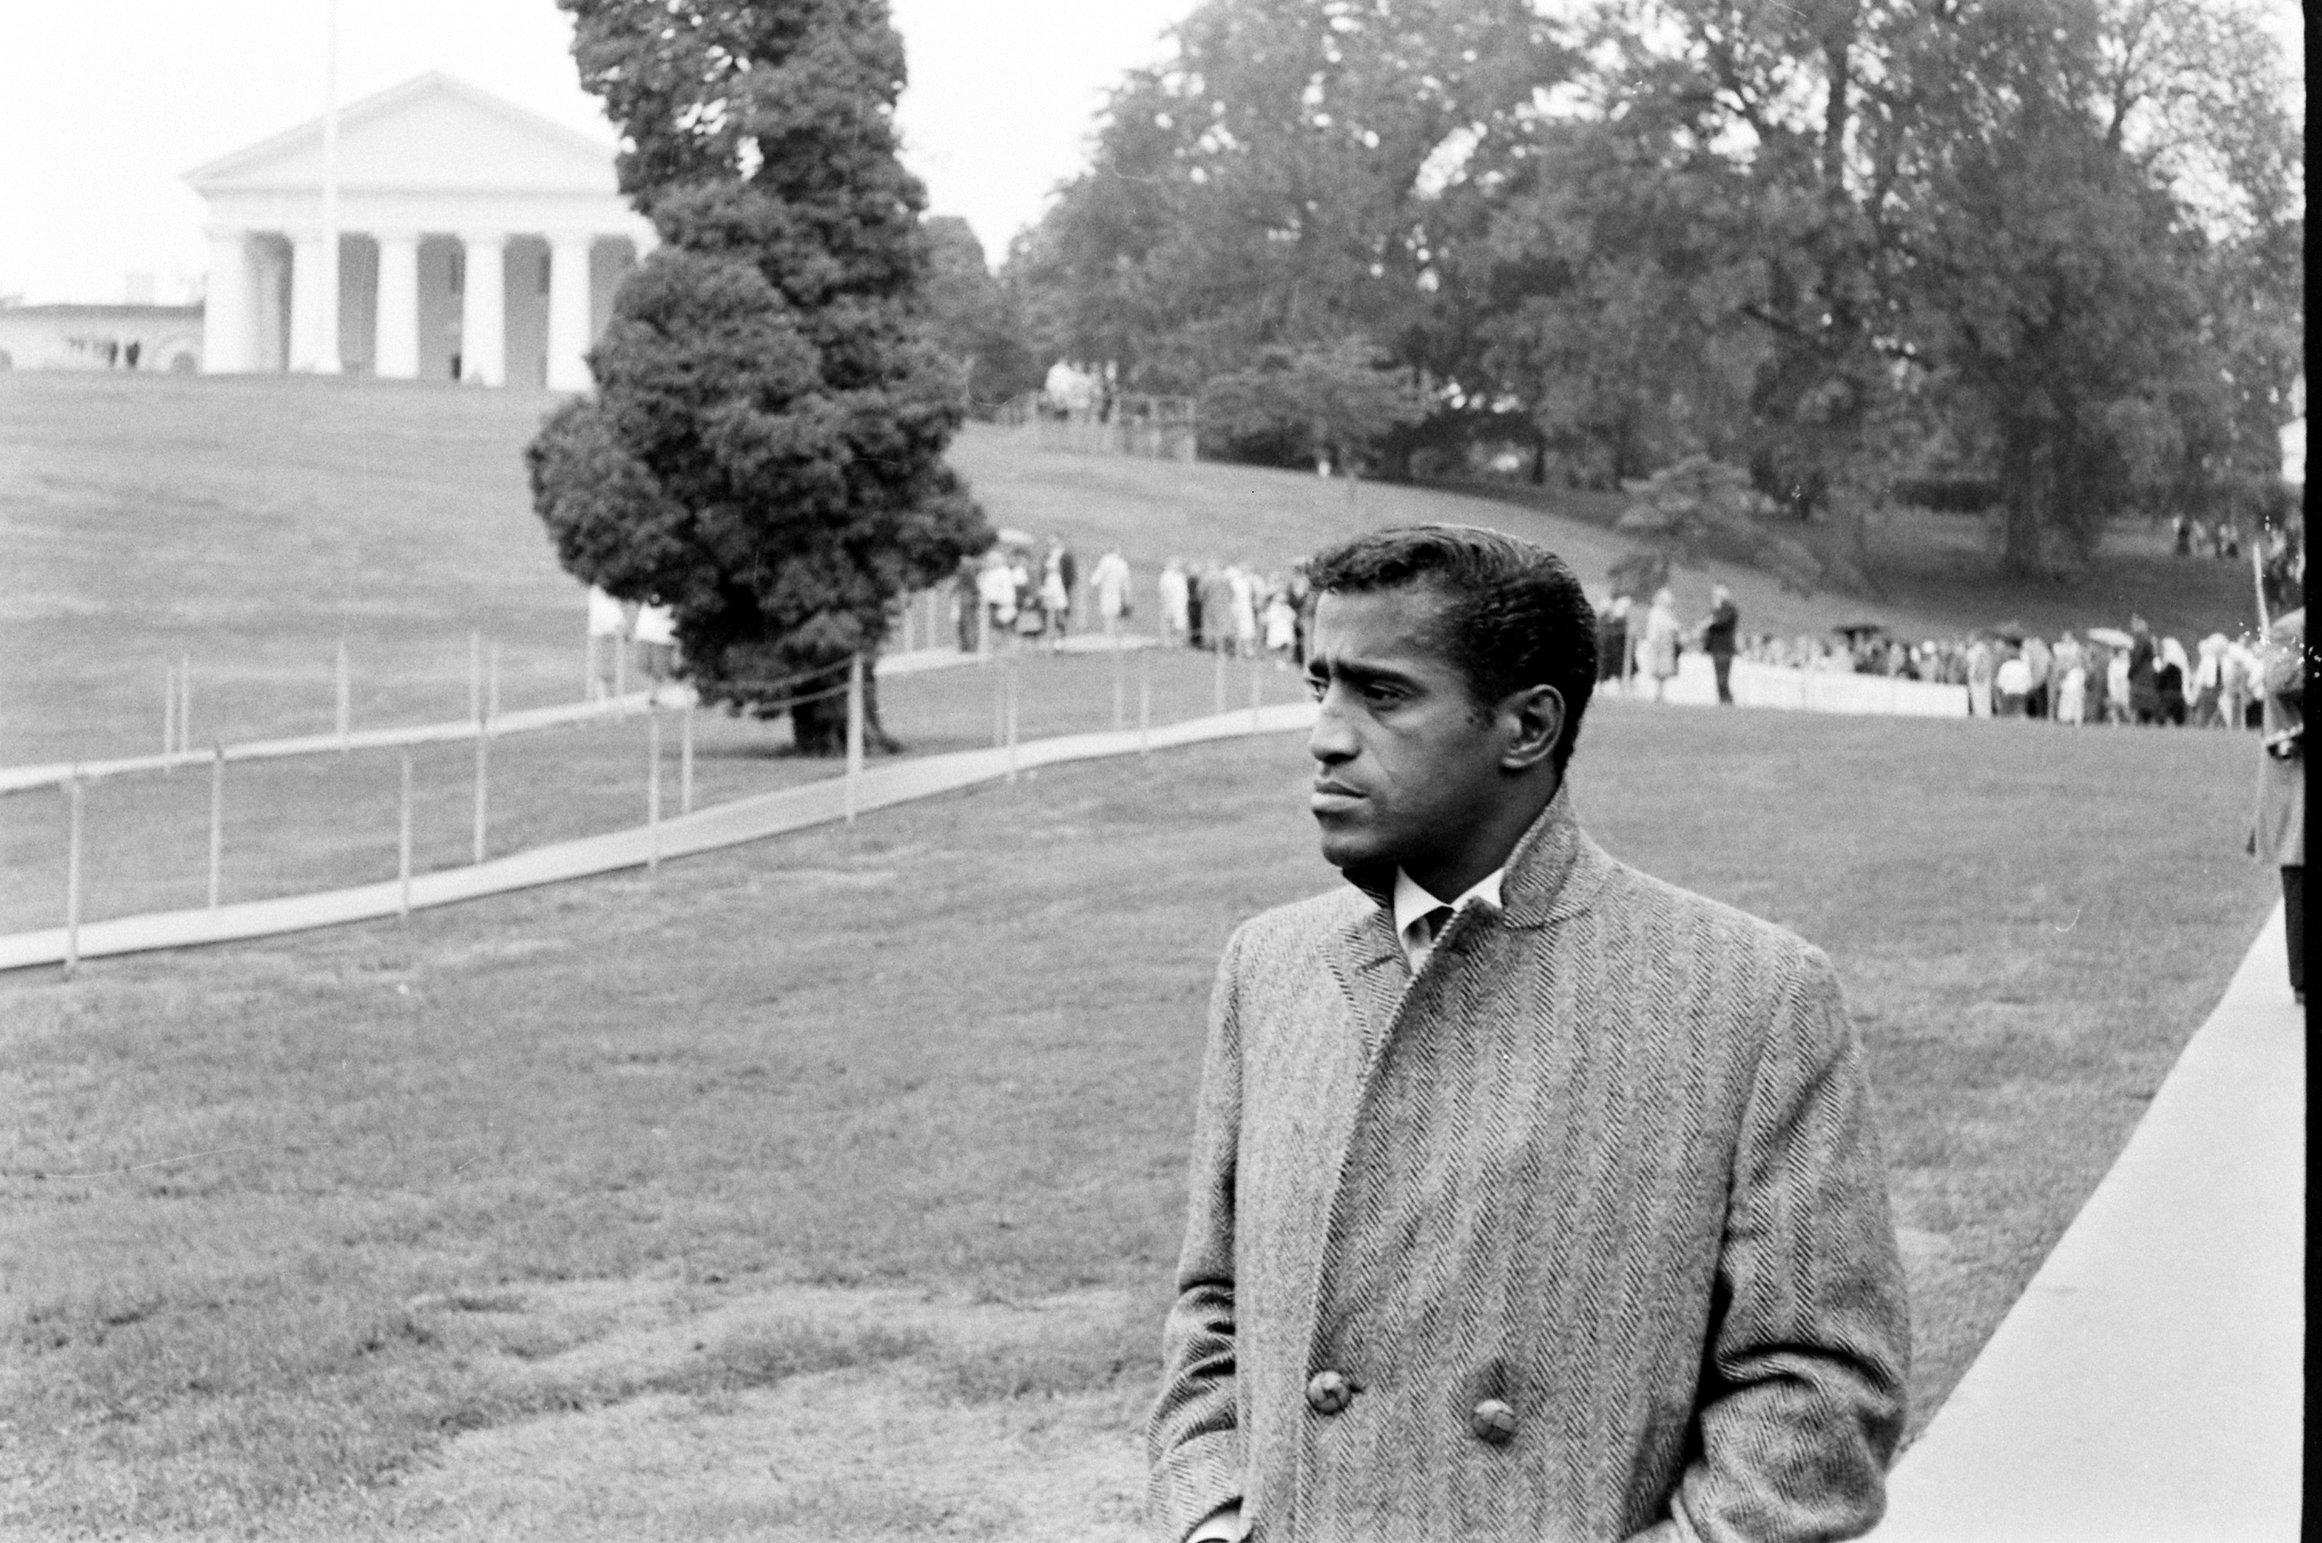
(1413, 904)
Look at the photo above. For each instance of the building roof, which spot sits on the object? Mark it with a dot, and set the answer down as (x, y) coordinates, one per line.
(431, 132)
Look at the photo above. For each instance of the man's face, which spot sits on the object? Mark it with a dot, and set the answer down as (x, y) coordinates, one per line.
(1405, 773)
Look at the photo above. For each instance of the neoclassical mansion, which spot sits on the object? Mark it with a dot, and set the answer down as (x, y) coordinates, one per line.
(478, 242)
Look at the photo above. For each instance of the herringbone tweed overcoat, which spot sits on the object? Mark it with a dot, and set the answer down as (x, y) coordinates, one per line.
(1609, 1160)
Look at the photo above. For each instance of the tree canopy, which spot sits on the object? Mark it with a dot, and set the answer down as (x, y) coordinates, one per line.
(764, 448)
(1840, 244)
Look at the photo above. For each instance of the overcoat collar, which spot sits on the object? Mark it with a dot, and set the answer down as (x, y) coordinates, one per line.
(1546, 879)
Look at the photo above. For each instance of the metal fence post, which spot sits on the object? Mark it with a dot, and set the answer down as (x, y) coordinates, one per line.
(346, 702)
(72, 959)
(185, 705)
(1120, 678)
(1008, 672)
(483, 788)
(403, 842)
(169, 719)
(1000, 705)
(653, 785)
(475, 677)
(854, 734)
(217, 819)
(685, 761)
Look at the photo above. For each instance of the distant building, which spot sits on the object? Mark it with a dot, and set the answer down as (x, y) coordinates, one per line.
(478, 241)
(100, 337)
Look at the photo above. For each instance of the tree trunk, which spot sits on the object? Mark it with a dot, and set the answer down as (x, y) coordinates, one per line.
(2025, 496)
(819, 727)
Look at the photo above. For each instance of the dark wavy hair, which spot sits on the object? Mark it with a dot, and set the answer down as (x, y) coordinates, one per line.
(1513, 614)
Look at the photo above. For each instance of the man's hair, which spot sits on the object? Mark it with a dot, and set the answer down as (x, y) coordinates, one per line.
(1513, 614)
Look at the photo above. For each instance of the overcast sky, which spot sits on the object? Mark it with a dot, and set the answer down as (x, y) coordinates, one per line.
(105, 104)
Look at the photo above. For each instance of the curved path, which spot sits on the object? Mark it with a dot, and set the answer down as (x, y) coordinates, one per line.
(2147, 1385)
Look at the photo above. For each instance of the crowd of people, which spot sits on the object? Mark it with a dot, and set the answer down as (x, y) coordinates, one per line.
(1025, 592)
(1013, 596)
(2104, 676)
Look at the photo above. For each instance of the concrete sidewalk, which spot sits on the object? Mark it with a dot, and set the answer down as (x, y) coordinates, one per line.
(2148, 1385)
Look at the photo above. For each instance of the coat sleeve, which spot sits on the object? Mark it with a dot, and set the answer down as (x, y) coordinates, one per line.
(1193, 1438)
(1802, 1392)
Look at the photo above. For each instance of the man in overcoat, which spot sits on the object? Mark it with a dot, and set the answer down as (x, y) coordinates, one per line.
(1532, 1198)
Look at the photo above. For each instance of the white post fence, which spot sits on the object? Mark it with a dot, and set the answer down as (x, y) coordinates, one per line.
(653, 783)
(217, 819)
(685, 761)
(854, 772)
(475, 677)
(483, 789)
(72, 958)
(1120, 676)
(403, 842)
(1144, 700)
(1008, 673)
(185, 705)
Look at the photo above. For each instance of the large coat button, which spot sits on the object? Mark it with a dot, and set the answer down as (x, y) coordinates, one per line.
(1328, 1392)
(1493, 1421)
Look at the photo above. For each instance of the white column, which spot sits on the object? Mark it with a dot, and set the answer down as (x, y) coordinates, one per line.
(306, 300)
(395, 353)
(228, 320)
(484, 309)
(326, 353)
(568, 312)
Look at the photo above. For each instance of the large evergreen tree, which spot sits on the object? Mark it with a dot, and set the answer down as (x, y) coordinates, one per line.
(764, 449)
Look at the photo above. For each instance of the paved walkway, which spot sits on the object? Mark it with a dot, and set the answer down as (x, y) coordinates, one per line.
(2147, 1386)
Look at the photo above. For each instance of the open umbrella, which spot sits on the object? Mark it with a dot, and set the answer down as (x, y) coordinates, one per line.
(2007, 631)
(2111, 637)
(1863, 629)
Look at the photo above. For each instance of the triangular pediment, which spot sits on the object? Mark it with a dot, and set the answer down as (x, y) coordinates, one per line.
(432, 133)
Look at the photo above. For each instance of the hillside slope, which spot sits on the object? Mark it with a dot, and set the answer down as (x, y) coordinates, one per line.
(253, 522)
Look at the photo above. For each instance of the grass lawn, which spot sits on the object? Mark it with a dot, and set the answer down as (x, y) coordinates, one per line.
(828, 1187)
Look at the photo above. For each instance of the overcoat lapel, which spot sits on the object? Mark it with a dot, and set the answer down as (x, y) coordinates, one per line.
(1367, 955)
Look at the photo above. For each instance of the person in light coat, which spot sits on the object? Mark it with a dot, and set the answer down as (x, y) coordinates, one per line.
(1176, 601)
(1532, 1198)
(1661, 640)
(1109, 582)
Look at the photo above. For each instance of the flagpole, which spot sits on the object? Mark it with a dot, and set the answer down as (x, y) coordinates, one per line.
(327, 354)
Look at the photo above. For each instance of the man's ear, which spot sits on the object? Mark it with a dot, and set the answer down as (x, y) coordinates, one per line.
(1534, 718)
